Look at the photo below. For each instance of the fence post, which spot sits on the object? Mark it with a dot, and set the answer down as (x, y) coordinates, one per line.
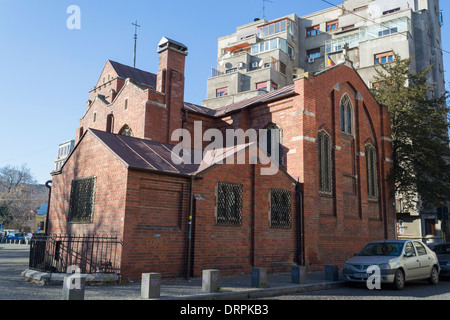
(298, 274)
(151, 285)
(73, 287)
(259, 277)
(210, 280)
(331, 272)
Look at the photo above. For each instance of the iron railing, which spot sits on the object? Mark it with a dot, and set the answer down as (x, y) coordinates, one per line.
(88, 254)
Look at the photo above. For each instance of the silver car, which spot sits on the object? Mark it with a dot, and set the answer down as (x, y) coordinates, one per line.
(398, 261)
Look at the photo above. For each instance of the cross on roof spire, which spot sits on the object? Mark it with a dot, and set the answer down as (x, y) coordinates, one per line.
(135, 41)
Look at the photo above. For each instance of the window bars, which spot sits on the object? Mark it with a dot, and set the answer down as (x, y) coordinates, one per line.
(81, 205)
(229, 204)
(280, 209)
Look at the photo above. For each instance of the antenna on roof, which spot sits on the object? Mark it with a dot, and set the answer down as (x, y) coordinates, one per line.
(135, 40)
(264, 7)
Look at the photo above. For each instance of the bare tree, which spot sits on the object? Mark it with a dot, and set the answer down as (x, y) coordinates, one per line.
(19, 195)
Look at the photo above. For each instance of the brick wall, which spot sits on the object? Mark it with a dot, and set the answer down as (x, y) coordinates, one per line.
(336, 225)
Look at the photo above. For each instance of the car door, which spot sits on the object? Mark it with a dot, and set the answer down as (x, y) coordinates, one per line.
(424, 259)
(411, 262)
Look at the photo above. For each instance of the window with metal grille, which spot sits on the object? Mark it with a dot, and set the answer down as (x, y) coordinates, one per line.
(229, 204)
(280, 209)
(81, 204)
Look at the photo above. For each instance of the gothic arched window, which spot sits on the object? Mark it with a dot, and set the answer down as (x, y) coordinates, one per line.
(325, 162)
(346, 115)
(372, 172)
(274, 133)
(126, 131)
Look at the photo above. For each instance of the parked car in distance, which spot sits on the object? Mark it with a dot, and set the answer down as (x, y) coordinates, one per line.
(16, 236)
(442, 251)
(399, 261)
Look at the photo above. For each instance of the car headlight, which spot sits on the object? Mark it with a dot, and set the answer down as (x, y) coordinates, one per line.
(347, 266)
(384, 266)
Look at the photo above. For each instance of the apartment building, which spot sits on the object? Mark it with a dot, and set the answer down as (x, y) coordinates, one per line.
(64, 150)
(265, 55)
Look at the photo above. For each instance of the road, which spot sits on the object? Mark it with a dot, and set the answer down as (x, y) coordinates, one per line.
(418, 290)
(14, 260)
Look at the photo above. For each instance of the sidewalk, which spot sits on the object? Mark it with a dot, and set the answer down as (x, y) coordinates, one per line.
(15, 277)
(231, 287)
(239, 287)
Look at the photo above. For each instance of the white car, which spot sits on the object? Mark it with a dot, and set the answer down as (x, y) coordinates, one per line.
(398, 261)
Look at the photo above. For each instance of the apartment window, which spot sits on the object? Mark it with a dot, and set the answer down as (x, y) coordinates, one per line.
(291, 52)
(346, 115)
(81, 205)
(312, 31)
(387, 31)
(325, 166)
(95, 117)
(332, 25)
(261, 85)
(229, 204)
(222, 92)
(272, 44)
(391, 11)
(282, 68)
(384, 57)
(231, 70)
(372, 173)
(313, 53)
(280, 209)
(125, 104)
(273, 28)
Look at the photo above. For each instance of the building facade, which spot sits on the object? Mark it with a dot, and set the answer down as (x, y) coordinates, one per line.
(327, 197)
(266, 55)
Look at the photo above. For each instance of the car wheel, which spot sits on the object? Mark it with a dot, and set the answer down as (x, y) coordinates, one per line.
(399, 280)
(434, 276)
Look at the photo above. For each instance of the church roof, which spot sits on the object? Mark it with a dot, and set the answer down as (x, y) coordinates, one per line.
(222, 111)
(144, 154)
(141, 76)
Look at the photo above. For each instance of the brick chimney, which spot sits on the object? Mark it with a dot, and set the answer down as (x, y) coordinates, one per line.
(170, 80)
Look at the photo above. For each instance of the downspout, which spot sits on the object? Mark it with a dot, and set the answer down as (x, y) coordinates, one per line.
(47, 184)
(301, 236)
(189, 249)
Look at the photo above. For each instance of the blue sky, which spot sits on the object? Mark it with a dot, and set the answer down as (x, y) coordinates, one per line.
(47, 69)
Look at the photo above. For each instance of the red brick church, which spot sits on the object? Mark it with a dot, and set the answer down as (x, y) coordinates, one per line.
(327, 198)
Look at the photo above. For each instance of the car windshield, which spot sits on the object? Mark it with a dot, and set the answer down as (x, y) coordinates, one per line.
(382, 249)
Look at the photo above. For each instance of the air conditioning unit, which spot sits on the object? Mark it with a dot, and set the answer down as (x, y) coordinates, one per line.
(240, 65)
(310, 60)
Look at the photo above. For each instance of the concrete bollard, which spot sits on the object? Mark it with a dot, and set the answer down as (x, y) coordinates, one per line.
(298, 274)
(331, 272)
(73, 287)
(210, 280)
(151, 285)
(259, 277)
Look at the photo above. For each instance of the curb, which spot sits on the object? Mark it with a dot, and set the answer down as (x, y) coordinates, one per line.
(45, 278)
(259, 293)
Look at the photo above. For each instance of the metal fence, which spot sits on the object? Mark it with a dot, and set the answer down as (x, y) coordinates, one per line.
(88, 254)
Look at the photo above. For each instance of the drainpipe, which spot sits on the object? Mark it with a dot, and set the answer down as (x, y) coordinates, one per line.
(48, 185)
(191, 206)
(301, 236)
